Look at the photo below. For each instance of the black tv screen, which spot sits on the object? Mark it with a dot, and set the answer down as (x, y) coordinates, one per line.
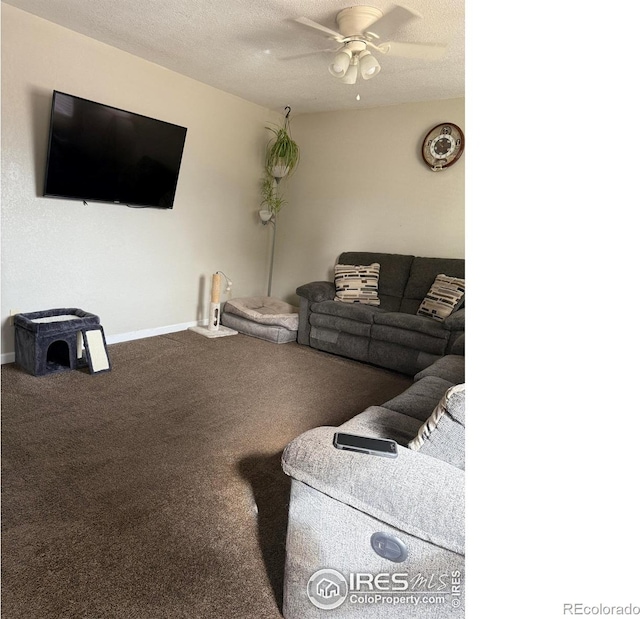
(103, 154)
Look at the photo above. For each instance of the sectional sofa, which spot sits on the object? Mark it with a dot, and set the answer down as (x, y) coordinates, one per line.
(390, 335)
(376, 537)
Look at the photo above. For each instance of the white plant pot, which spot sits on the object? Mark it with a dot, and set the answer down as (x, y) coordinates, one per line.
(280, 171)
(265, 215)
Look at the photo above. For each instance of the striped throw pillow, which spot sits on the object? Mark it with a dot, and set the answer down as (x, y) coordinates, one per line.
(444, 296)
(357, 283)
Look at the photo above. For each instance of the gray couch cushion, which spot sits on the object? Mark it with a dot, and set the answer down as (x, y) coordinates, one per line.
(423, 273)
(340, 342)
(455, 321)
(409, 339)
(352, 311)
(458, 345)
(399, 358)
(419, 324)
(335, 323)
(451, 368)
(419, 400)
(382, 422)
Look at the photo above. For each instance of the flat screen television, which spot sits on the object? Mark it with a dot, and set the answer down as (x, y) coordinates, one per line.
(100, 153)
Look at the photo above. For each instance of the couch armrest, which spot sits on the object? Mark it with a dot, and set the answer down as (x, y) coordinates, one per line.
(317, 291)
(455, 321)
(413, 492)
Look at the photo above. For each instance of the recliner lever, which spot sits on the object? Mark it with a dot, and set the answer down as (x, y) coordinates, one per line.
(389, 547)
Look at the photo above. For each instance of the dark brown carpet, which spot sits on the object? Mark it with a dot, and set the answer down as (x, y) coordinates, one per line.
(155, 490)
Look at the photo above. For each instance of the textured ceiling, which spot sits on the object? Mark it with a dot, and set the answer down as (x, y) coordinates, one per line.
(241, 47)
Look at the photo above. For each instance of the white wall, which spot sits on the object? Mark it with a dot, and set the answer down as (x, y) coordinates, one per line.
(137, 269)
(362, 185)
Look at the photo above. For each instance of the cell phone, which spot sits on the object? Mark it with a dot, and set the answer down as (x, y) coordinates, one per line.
(366, 444)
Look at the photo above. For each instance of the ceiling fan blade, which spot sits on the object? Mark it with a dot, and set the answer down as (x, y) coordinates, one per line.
(311, 24)
(308, 54)
(423, 51)
(391, 21)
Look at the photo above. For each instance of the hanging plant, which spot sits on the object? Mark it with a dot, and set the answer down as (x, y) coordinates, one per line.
(270, 197)
(283, 153)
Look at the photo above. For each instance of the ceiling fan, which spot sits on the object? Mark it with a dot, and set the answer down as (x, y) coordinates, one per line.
(365, 28)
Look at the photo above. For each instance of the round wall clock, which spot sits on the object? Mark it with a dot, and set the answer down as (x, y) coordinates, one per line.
(443, 146)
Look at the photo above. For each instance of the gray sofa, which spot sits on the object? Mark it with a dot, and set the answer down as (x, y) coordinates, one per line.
(390, 335)
(340, 500)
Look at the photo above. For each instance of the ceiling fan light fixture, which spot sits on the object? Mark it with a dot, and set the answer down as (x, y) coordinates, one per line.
(361, 31)
(351, 75)
(340, 64)
(369, 66)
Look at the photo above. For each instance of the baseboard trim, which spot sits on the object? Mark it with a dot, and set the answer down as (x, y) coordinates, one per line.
(7, 357)
(138, 335)
(10, 357)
